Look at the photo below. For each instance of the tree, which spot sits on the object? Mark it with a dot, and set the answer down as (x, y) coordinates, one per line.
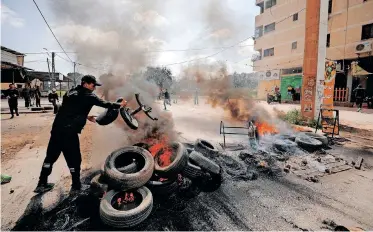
(161, 76)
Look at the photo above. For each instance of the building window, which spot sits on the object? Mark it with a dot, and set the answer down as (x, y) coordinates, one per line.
(269, 27)
(328, 40)
(270, 3)
(295, 17)
(258, 31)
(367, 31)
(269, 52)
(294, 45)
(330, 6)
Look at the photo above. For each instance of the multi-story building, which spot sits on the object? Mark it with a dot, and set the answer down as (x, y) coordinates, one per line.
(279, 41)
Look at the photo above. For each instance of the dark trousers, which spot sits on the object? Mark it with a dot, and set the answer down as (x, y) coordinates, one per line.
(37, 102)
(27, 101)
(13, 106)
(68, 144)
(359, 102)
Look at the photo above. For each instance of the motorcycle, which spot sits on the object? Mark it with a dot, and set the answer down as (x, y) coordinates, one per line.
(274, 98)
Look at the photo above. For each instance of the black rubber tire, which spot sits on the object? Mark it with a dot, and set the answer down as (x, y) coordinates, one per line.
(125, 181)
(290, 137)
(129, 218)
(210, 182)
(308, 143)
(108, 116)
(166, 187)
(133, 124)
(285, 145)
(205, 163)
(132, 168)
(205, 147)
(180, 159)
(321, 138)
(192, 171)
(98, 183)
(36, 108)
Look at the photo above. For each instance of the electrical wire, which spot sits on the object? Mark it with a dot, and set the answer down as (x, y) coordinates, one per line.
(51, 29)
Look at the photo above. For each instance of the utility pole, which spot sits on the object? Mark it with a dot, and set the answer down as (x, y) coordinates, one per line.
(74, 75)
(314, 57)
(53, 81)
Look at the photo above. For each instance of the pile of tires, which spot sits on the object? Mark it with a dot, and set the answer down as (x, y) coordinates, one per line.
(311, 141)
(131, 176)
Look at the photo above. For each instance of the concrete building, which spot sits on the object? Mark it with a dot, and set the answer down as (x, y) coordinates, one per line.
(12, 69)
(280, 29)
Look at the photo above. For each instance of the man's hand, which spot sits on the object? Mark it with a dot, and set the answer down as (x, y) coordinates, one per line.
(123, 103)
(92, 119)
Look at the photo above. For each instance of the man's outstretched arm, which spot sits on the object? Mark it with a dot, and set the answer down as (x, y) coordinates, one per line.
(106, 104)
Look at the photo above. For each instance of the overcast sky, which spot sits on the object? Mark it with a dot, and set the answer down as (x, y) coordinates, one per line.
(83, 27)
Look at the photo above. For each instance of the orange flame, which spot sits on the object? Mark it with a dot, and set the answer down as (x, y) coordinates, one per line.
(160, 148)
(265, 128)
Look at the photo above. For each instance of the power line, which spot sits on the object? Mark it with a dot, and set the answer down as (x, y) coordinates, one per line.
(51, 30)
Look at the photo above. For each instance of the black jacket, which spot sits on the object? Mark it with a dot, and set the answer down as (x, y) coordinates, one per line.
(52, 97)
(167, 95)
(13, 94)
(76, 105)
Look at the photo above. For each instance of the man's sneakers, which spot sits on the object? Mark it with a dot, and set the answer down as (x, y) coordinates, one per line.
(12, 117)
(42, 188)
(358, 110)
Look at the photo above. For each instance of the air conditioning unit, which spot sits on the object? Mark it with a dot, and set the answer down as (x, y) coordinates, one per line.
(363, 47)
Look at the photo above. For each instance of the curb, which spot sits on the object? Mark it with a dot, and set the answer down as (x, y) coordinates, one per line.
(31, 112)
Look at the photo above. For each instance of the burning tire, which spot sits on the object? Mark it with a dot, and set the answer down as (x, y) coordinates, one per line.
(98, 183)
(108, 116)
(285, 145)
(122, 215)
(205, 147)
(321, 138)
(308, 143)
(178, 159)
(160, 186)
(124, 157)
(205, 163)
(192, 171)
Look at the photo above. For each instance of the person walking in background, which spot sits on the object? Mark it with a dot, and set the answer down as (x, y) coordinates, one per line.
(32, 96)
(26, 96)
(53, 98)
(196, 97)
(167, 99)
(359, 97)
(37, 96)
(12, 95)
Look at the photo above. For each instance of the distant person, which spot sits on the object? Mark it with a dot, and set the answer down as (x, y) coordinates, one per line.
(167, 99)
(196, 97)
(12, 95)
(32, 96)
(359, 97)
(37, 96)
(53, 98)
(26, 96)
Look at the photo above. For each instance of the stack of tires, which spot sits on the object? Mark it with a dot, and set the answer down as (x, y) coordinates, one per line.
(308, 141)
(131, 173)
